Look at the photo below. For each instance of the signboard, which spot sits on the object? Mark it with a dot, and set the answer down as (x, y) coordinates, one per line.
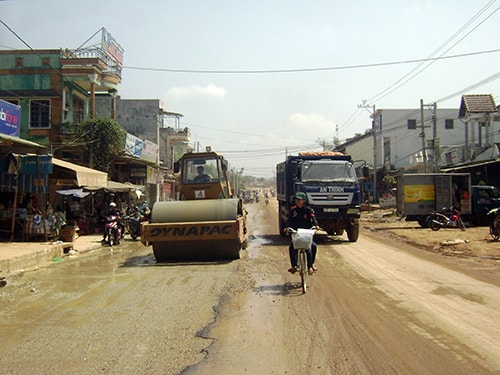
(419, 193)
(10, 118)
(133, 145)
(150, 151)
(111, 47)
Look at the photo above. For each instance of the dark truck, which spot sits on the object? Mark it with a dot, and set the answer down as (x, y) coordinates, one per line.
(420, 193)
(330, 182)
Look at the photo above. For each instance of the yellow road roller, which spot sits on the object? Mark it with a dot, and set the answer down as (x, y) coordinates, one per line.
(207, 223)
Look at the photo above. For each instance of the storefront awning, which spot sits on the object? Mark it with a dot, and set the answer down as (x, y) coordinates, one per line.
(9, 143)
(116, 187)
(84, 176)
(77, 193)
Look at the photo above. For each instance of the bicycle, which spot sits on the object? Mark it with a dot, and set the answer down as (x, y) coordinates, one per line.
(302, 240)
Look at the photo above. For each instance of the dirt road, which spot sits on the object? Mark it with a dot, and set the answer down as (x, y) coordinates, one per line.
(371, 308)
(375, 306)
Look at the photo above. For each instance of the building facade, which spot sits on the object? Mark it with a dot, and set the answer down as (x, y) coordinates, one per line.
(56, 88)
(422, 139)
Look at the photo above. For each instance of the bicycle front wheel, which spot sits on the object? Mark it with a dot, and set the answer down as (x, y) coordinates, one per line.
(303, 269)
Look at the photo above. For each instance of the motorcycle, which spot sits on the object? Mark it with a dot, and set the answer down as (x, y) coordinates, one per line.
(133, 222)
(449, 217)
(113, 230)
(134, 218)
(493, 216)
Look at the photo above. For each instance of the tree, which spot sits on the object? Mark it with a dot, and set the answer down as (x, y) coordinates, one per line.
(102, 139)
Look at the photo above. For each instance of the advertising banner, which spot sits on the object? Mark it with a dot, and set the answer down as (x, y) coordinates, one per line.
(10, 118)
(150, 151)
(133, 145)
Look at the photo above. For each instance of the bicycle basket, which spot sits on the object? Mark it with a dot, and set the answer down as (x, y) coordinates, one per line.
(302, 239)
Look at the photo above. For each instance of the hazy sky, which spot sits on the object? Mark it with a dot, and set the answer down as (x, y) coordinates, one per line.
(255, 79)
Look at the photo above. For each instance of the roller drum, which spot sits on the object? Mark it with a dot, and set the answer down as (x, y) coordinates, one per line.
(209, 210)
(199, 210)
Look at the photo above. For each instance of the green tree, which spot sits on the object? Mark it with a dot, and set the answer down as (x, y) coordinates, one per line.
(103, 140)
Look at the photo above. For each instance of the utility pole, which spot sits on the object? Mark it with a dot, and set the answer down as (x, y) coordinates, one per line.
(435, 140)
(422, 134)
(376, 126)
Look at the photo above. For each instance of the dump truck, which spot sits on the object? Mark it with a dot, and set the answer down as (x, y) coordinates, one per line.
(329, 180)
(418, 194)
(206, 223)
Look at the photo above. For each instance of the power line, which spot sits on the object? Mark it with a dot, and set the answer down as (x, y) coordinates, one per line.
(300, 70)
(402, 81)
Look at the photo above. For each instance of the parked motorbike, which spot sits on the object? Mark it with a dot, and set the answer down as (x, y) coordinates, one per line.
(113, 230)
(493, 216)
(132, 222)
(447, 218)
(134, 218)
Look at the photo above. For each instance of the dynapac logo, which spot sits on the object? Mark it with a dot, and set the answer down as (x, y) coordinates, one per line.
(205, 230)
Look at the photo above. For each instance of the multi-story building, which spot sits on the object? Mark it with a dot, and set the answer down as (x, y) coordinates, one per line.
(56, 88)
(427, 138)
(148, 120)
(431, 139)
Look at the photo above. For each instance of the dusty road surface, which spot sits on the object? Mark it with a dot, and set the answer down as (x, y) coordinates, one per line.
(375, 306)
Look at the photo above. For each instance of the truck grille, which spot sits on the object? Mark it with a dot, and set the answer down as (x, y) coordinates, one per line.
(330, 199)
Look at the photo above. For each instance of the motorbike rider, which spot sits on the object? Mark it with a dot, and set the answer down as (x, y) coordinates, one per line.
(114, 211)
(302, 216)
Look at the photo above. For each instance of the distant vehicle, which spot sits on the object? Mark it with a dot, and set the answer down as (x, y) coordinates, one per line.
(420, 193)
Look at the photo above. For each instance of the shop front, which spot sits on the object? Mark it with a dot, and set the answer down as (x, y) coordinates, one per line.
(23, 191)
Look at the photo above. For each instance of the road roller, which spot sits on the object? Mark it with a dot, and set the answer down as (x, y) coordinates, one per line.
(207, 223)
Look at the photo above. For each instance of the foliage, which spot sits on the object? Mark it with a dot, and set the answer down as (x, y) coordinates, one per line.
(102, 139)
(389, 181)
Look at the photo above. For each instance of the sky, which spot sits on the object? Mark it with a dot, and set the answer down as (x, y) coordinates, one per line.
(257, 80)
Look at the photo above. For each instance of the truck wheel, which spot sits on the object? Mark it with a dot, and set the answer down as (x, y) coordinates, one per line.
(353, 232)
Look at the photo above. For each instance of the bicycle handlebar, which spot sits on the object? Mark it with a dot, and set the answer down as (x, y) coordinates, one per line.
(289, 230)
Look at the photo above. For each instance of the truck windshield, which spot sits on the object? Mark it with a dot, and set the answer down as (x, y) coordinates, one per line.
(328, 172)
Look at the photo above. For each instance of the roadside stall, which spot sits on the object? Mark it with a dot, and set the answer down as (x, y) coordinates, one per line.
(23, 187)
(67, 195)
(125, 195)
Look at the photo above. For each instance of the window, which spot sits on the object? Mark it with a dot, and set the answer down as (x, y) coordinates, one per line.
(448, 123)
(412, 124)
(201, 171)
(40, 114)
(78, 110)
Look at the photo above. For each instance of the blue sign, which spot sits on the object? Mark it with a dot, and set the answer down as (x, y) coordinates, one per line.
(133, 145)
(368, 186)
(10, 118)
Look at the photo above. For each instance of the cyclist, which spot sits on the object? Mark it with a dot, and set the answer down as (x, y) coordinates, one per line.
(302, 216)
